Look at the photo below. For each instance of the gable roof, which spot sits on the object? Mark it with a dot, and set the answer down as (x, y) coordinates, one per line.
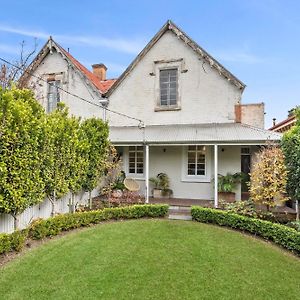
(101, 86)
(284, 125)
(170, 26)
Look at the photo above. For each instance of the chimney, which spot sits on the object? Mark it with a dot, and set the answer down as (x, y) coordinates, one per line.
(238, 113)
(274, 121)
(100, 71)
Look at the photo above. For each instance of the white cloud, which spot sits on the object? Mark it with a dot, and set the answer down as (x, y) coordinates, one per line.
(132, 46)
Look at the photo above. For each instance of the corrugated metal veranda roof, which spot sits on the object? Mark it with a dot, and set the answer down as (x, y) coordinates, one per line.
(231, 133)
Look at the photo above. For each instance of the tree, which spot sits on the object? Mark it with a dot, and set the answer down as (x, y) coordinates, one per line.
(10, 73)
(55, 165)
(95, 149)
(268, 178)
(21, 149)
(291, 148)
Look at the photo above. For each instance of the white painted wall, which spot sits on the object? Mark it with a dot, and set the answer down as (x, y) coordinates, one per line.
(72, 81)
(206, 96)
(170, 162)
(42, 210)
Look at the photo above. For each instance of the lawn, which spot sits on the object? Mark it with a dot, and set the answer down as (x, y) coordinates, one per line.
(153, 259)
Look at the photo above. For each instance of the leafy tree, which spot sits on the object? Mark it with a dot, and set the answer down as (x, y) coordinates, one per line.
(55, 166)
(21, 149)
(268, 178)
(95, 149)
(291, 148)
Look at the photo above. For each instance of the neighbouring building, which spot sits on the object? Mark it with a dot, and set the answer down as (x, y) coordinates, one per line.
(182, 111)
(284, 125)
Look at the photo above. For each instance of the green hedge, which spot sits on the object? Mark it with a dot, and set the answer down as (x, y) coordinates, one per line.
(282, 235)
(49, 227)
(53, 226)
(12, 242)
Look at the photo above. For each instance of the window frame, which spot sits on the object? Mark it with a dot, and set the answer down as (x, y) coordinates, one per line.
(57, 84)
(168, 89)
(127, 162)
(208, 165)
(158, 66)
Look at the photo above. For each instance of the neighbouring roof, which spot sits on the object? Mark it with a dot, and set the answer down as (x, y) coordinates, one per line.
(234, 133)
(101, 86)
(169, 25)
(284, 125)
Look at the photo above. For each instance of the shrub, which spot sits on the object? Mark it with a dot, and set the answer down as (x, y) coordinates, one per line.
(282, 235)
(13, 242)
(295, 225)
(53, 226)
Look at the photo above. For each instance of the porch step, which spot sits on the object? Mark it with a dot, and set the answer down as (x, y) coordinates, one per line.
(180, 213)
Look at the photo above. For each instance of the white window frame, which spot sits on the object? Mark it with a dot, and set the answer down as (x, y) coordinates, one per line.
(208, 165)
(126, 163)
(168, 65)
(57, 100)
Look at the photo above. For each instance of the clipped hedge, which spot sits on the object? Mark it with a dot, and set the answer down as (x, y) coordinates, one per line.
(53, 226)
(13, 242)
(282, 235)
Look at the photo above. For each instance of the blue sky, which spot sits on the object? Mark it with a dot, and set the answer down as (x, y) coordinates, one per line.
(258, 41)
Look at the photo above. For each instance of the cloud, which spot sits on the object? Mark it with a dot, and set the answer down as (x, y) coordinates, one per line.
(131, 46)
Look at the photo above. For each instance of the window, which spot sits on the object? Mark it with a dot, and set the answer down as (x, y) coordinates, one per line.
(53, 95)
(196, 161)
(168, 81)
(136, 160)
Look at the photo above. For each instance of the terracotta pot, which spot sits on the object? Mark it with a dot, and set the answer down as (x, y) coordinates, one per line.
(158, 194)
(228, 197)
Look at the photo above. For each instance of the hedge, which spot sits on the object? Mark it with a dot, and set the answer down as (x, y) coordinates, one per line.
(13, 242)
(53, 226)
(282, 235)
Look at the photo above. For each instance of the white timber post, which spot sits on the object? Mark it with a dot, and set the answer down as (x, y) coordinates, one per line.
(216, 175)
(147, 173)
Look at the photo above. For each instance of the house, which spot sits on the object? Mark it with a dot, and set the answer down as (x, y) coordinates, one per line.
(180, 112)
(284, 125)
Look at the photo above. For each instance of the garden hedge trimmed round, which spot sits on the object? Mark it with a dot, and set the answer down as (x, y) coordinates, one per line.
(42, 228)
(282, 235)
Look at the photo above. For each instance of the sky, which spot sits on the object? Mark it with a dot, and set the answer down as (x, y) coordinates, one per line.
(257, 40)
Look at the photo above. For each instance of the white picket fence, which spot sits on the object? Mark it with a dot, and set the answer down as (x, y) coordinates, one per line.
(42, 210)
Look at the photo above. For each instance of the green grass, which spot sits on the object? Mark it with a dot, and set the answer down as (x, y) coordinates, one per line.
(153, 259)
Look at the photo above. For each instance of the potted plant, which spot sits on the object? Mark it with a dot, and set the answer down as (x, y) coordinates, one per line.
(226, 185)
(161, 186)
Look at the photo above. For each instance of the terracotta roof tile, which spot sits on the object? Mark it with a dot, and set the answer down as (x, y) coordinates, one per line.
(103, 86)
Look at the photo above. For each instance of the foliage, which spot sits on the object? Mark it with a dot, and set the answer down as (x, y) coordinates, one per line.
(53, 226)
(56, 148)
(290, 145)
(162, 182)
(119, 182)
(21, 130)
(295, 225)
(96, 151)
(246, 208)
(227, 183)
(13, 242)
(280, 234)
(269, 177)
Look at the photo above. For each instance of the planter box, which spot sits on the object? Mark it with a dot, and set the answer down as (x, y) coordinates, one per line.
(228, 197)
(158, 194)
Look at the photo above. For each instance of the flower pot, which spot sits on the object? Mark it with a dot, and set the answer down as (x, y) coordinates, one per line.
(157, 193)
(228, 197)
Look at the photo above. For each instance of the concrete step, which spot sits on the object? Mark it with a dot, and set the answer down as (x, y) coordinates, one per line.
(180, 217)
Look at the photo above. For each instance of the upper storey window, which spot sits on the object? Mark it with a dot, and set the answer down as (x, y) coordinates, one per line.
(53, 95)
(168, 80)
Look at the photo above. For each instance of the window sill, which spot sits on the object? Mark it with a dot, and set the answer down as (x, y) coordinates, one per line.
(168, 108)
(194, 179)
